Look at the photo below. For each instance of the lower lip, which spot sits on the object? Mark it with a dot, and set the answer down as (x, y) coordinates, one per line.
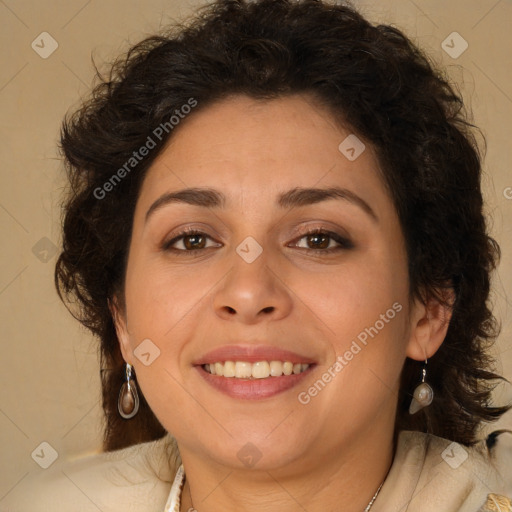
(253, 389)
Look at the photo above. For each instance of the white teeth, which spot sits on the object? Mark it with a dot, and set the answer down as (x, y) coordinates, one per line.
(258, 370)
(276, 368)
(243, 370)
(229, 369)
(287, 368)
(219, 369)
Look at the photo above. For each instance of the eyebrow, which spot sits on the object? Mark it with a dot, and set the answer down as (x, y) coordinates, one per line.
(293, 198)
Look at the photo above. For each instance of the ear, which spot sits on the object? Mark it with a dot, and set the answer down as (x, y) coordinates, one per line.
(429, 324)
(119, 317)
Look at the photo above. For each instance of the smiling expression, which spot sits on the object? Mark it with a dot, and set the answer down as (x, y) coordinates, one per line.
(256, 238)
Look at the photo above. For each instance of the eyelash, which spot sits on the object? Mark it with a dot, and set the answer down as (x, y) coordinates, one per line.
(344, 243)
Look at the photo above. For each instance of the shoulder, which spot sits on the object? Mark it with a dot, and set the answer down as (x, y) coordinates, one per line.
(430, 473)
(137, 478)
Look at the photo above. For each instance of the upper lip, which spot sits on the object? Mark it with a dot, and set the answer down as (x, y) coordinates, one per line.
(251, 354)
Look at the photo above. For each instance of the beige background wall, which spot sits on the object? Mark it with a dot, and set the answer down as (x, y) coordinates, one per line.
(49, 385)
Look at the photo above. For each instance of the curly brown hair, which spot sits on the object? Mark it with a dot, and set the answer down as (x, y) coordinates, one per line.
(372, 79)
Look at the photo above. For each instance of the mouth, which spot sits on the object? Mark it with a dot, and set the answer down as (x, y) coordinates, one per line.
(253, 372)
(257, 370)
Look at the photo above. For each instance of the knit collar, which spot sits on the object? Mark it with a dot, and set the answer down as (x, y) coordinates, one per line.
(174, 501)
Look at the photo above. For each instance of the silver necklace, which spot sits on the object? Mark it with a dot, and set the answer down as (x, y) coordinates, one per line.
(368, 507)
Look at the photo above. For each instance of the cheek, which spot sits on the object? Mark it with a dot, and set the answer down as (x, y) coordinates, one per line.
(159, 298)
(357, 297)
(363, 308)
(161, 307)
(364, 313)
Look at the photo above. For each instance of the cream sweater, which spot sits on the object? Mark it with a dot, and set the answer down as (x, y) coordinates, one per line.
(429, 474)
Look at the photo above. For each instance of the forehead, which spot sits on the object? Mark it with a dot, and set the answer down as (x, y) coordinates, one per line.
(251, 149)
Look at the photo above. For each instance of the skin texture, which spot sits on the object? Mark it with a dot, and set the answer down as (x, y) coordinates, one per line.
(339, 445)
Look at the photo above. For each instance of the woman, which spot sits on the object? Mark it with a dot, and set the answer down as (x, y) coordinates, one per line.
(275, 229)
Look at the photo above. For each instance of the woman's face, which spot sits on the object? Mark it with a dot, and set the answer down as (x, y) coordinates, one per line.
(252, 284)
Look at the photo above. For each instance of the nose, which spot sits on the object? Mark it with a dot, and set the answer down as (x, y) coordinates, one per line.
(253, 292)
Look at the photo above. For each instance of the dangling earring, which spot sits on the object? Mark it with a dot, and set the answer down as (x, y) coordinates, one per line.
(423, 394)
(128, 401)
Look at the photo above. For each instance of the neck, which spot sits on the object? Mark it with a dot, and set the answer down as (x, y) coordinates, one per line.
(348, 476)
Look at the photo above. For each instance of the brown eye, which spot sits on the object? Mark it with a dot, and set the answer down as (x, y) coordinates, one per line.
(194, 242)
(323, 242)
(318, 241)
(188, 241)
